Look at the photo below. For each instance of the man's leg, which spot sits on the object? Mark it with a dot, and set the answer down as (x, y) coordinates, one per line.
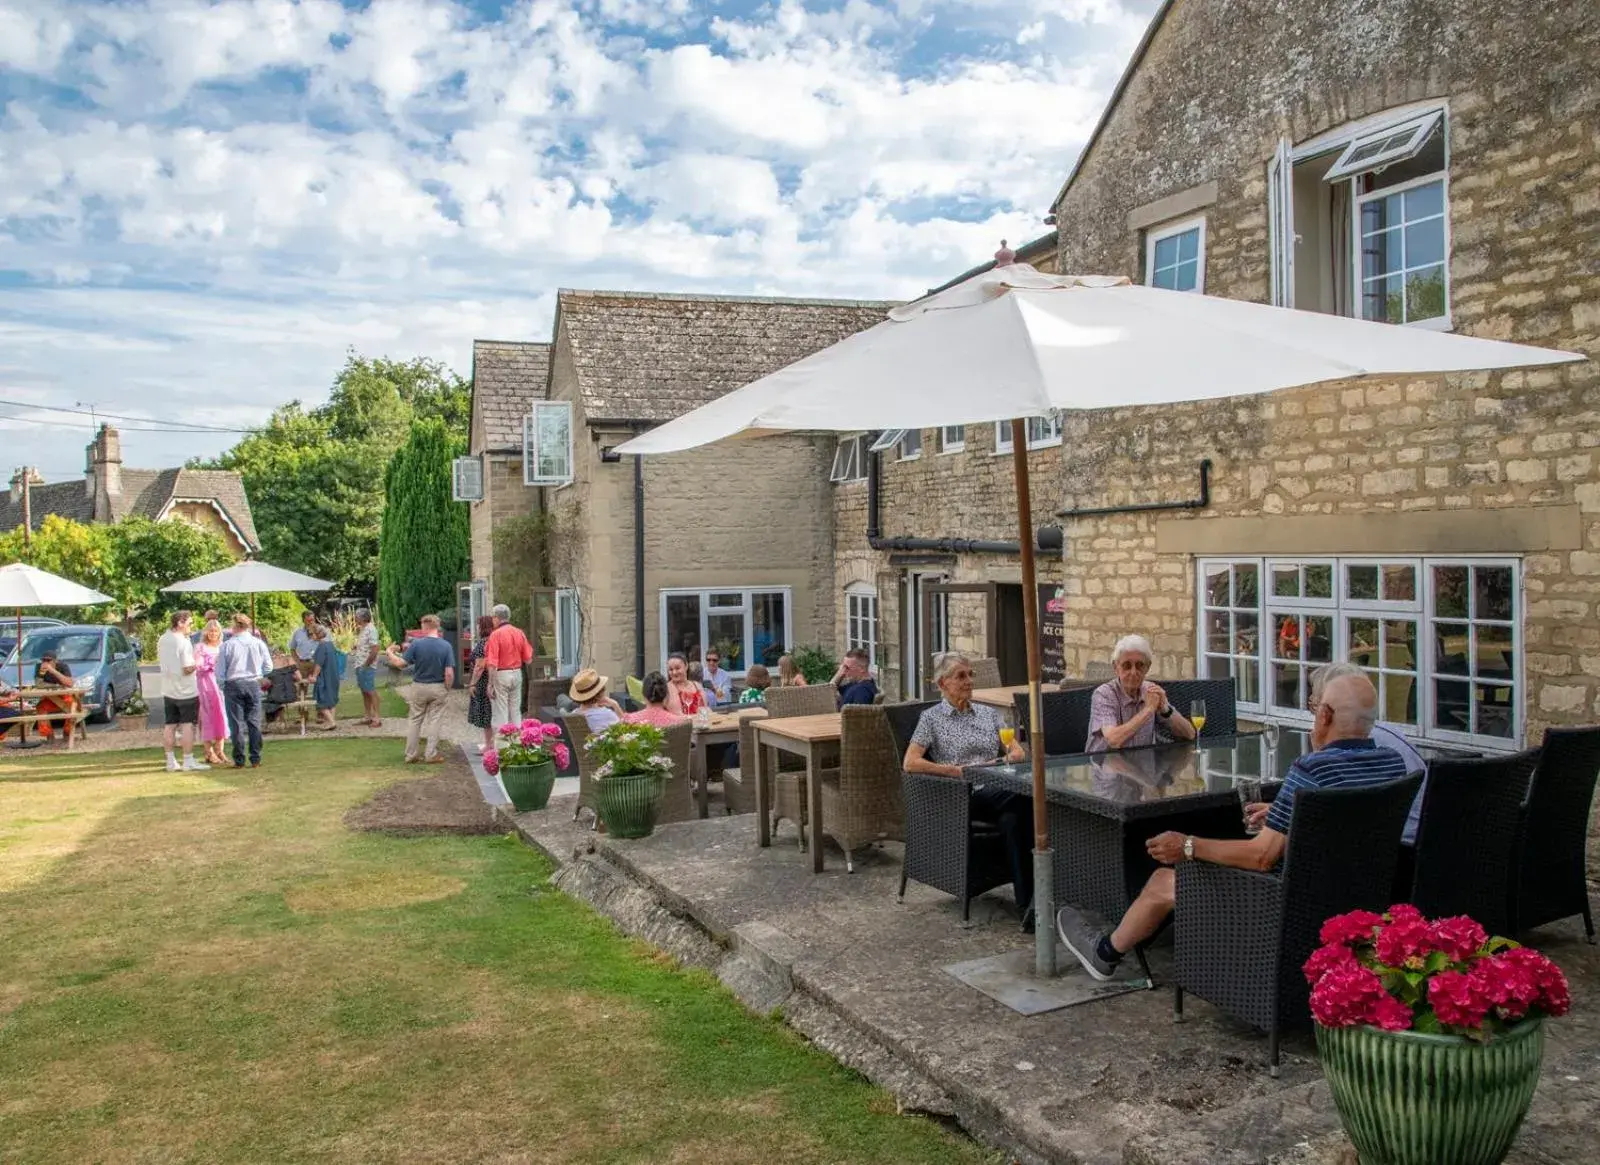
(500, 700)
(1013, 813)
(238, 709)
(432, 717)
(515, 699)
(1100, 952)
(418, 709)
(253, 721)
(169, 734)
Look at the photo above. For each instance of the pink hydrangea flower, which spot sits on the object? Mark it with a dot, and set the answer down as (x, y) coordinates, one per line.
(491, 761)
(563, 755)
(1457, 999)
(551, 730)
(1405, 942)
(1390, 1014)
(507, 730)
(1403, 911)
(1349, 929)
(1325, 959)
(530, 737)
(529, 723)
(1347, 995)
(1459, 937)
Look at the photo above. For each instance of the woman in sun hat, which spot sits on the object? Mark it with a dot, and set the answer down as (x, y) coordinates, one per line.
(588, 691)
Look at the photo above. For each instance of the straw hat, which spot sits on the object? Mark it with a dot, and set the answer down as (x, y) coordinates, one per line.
(587, 684)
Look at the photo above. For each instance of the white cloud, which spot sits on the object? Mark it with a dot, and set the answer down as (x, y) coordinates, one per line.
(243, 189)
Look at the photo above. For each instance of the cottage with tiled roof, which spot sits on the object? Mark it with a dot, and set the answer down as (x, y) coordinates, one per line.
(213, 499)
(728, 547)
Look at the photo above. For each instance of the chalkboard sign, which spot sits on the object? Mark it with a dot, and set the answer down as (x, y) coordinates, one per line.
(1052, 633)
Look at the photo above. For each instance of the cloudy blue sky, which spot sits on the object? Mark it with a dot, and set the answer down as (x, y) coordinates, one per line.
(203, 205)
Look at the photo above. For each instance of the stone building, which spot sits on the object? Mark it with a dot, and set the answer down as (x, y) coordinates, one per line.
(1401, 162)
(213, 499)
(736, 545)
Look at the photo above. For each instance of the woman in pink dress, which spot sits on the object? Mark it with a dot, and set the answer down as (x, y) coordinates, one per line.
(213, 713)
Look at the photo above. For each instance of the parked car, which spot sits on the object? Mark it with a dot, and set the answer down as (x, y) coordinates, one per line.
(103, 661)
(8, 630)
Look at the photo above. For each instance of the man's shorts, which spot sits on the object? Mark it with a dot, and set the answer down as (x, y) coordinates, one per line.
(182, 711)
(367, 679)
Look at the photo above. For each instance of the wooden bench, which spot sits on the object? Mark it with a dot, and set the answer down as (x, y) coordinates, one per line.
(72, 721)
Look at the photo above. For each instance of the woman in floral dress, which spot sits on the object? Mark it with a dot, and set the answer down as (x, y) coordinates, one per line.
(213, 712)
(479, 708)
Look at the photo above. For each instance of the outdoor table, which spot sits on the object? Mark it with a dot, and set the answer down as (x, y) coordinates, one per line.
(722, 728)
(1102, 807)
(73, 726)
(802, 736)
(1005, 698)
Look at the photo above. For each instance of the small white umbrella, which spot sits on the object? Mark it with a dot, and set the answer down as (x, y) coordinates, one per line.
(1012, 343)
(250, 578)
(22, 586)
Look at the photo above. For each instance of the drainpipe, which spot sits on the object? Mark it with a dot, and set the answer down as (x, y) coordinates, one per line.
(1198, 503)
(638, 566)
(1049, 537)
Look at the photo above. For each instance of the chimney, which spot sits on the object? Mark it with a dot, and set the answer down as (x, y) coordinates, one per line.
(103, 474)
(16, 484)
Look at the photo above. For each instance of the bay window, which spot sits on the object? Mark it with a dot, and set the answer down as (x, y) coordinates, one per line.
(1438, 638)
(746, 625)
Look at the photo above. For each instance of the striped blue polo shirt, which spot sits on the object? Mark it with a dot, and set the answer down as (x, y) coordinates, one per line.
(1341, 764)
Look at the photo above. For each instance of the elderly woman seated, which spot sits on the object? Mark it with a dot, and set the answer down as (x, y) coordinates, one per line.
(955, 734)
(1130, 711)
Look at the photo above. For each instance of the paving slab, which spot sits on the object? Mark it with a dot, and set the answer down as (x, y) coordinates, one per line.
(1109, 1082)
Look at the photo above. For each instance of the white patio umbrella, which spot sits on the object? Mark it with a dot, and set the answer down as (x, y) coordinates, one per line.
(1013, 343)
(250, 578)
(22, 586)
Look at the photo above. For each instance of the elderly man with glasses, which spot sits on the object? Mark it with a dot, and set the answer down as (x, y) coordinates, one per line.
(1130, 711)
(955, 734)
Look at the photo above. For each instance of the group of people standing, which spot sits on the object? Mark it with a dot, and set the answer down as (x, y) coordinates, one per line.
(211, 686)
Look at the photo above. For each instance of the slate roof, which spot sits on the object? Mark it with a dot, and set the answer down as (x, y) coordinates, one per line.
(1030, 252)
(644, 356)
(145, 492)
(507, 377)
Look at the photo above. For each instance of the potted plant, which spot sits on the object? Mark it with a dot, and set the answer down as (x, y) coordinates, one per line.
(525, 760)
(630, 777)
(1430, 1034)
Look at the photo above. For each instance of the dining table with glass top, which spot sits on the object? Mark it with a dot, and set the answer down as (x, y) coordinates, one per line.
(1102, 807)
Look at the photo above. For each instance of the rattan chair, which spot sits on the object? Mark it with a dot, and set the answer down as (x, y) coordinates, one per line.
(1242, 936)
(1554, 831)
(677, 797)
(738, 785)
(789, 786)
(578, 733)
(1464, 860)
(861, 799)
(1066, 719)
(1222, 718)
(986, 672)
(945, 847)
(812, 700)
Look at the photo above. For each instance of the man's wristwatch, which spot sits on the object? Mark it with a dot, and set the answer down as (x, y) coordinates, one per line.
(1188, 849)
(1165, 712)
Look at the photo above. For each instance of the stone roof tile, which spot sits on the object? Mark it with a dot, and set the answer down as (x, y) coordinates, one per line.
(507, 377)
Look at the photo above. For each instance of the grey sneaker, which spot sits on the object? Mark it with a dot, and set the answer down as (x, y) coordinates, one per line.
(1083, 941)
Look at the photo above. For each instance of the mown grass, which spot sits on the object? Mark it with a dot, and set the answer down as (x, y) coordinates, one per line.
(390, 703)
(210, 967)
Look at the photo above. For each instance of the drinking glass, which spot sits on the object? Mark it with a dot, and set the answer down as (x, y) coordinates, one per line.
(1008, 737)
(1197, 715)
(1269, 736)
(1249, 793)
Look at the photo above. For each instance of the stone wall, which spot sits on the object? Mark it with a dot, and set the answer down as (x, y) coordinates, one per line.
(504, 497)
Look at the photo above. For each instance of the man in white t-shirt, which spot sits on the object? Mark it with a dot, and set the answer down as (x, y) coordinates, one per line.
(179, 692)
(365, 654)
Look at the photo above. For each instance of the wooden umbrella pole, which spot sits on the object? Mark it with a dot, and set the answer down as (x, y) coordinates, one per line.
(20, 684)
(1043, 859)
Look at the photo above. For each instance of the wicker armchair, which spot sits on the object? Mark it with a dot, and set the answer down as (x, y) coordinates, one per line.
(861, 799)
(945, 847)
(1464, 859)
(813, 700)
(986, 672)
(677, 798)
(1242, 936)
(789, 786)
(578, 733)
(738, 785)
(1222, 717)
(1066, 719)
(1554, 830)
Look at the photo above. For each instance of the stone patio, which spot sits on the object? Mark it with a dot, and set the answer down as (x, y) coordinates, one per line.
(1109, 1081)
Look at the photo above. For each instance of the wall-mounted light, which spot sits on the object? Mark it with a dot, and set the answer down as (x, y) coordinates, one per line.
(609, 455)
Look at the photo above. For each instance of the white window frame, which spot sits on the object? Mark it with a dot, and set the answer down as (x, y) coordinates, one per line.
(466, 479)
(1439, 323)
(1415, 130)
(861, 614)
(849, 460)
(1421, 609)
(886, 440)
(946, 445)
(569, 632)
(1050, 426)
(530, 444)
(1171, 230)
(746, 607)
(910, 446)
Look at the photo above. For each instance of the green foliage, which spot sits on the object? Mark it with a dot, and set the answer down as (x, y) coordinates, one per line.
(522, 551)
(87, 555)
(315, 479)
(425, 541)
(817, 664)
(626, 749)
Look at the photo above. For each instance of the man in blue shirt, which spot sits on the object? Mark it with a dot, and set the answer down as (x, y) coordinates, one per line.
(242, 661)
(1344, 757)
(433, 672)
(1383, 738)
(854, 678)
(716, 681)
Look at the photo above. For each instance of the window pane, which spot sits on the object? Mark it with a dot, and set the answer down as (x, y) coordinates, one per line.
(1400, 644)
(683, 625)
(1492, 710)
(1186, 277)
(1319, 582)
(1364, 646)
(1380, 253)
(1218, 667)
(1450, 710)
(1450, 592)
(1286, 582)
(1493, 655)
(553, 442)
(1286, 687)
(766, 627)
(1383, 300)
(1188, 246)
(1377, 215)
(1422, 202)
(1361, 582)
(1218, 632)
(1491, 592)
(725, 633)
(1318, 640)
(1425, 294)
(1247, 675)
(727, 599)
(1398, 699)
(1216, 586)
(1453, 643)
(1247, 634)
(1287, 645)
(1245, 590)
(1166, 252)
(1399, 584)
(1425, 243)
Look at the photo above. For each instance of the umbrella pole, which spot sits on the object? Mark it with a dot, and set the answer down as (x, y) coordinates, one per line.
(1044, 907)
(19, 648)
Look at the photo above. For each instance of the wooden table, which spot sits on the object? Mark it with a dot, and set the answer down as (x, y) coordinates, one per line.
(73, 719)
(802, 736)
(1004, 698)
(723, 728)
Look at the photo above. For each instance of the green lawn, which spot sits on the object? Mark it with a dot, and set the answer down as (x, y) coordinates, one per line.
(210, 967)
(389, 702)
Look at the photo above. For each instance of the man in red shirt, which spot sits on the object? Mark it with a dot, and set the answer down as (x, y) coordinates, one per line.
(504, 655)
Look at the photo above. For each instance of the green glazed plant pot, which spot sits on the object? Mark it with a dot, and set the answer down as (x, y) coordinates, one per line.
(528, 786)
(628, 804)
(1406, 1098)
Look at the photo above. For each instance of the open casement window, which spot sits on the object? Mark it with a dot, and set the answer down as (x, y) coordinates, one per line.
(849, 460)
(555, 631)
(547, 444)
(466, 479)
(1385, 146)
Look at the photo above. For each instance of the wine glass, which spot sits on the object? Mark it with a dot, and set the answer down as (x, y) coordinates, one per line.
(1269, 735)
(1008, 737)
(1197, 715)
(1249, 793)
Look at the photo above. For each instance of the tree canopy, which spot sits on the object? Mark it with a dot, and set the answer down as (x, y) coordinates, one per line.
(316, 477)
(426, 541)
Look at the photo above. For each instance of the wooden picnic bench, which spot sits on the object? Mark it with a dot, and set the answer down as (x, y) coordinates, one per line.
(71, 721)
